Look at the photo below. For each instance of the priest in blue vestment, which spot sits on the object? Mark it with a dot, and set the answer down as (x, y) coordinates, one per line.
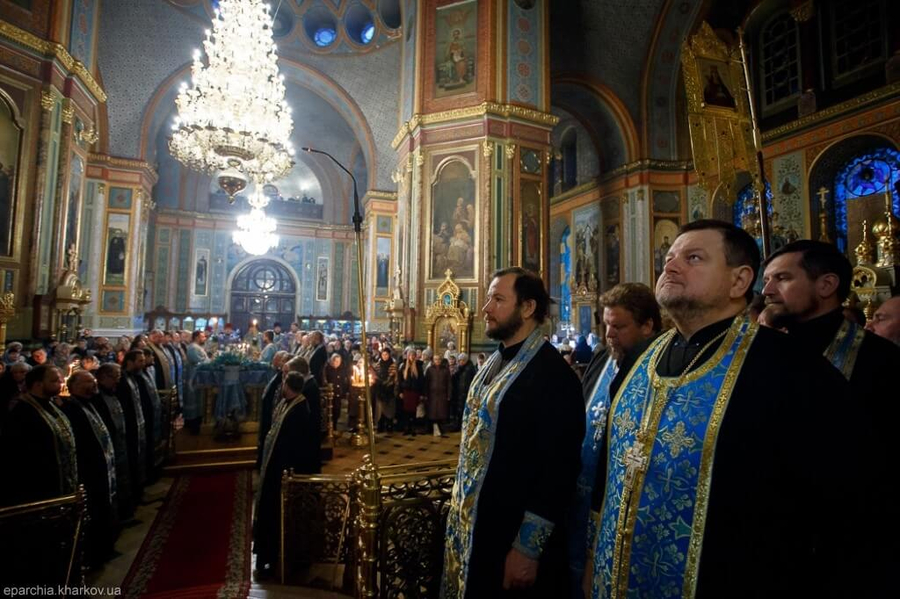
(519, 456)
(732, 465)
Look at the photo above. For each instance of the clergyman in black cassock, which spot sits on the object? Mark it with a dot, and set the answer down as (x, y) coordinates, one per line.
(292, 442)
(267, 406)
(135, 428)
(110, 409)
(96, 465)
(519, 456)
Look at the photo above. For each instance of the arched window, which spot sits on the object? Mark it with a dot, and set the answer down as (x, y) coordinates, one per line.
(569, 149)
(859, 35)
(780, 48)
(862, 176)
(565, 266)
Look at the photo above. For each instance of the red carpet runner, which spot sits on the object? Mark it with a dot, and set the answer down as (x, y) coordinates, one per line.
(199, 544)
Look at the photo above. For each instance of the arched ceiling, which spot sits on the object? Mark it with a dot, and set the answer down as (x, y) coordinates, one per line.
(607, 41)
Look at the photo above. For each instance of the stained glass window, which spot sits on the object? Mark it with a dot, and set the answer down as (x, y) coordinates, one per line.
(368, 33)
(565, 261)
(862, 176)
(325, 36)
(858, 27)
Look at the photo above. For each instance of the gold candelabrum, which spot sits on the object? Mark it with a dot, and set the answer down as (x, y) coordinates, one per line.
(887, 232)
(823, 215)
(358, 390)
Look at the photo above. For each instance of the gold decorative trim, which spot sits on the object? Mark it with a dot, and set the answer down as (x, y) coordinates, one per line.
(376, 194)
(510, 151)
(804, 12)
(47, 100)
(837, 110)
(55, 51)
(123, 163)
(485, 108)
(68, 111)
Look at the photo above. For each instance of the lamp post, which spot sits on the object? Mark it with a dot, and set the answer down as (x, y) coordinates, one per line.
(357, 226)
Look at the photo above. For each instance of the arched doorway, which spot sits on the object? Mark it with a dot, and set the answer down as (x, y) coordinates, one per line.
(264, 290)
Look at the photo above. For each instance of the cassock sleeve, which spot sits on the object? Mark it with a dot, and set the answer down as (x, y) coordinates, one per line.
(559, 406)
(29, 465)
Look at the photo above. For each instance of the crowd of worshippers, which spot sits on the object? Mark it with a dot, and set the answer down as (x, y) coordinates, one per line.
(714, 445)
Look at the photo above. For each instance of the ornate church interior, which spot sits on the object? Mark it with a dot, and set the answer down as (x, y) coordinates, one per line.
(206, 192)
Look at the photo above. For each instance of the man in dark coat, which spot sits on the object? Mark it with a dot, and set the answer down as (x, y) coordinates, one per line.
(318, 357)
(292, 442)
(521, 436)
(463, 376)
(96, 465)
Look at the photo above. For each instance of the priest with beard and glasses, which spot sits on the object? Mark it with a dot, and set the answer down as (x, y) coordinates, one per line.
(519, 455)
(733, 467)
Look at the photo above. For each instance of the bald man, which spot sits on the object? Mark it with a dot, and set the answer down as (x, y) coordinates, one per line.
(886, 321)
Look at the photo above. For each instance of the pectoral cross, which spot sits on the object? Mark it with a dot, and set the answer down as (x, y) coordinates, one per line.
(635, 462)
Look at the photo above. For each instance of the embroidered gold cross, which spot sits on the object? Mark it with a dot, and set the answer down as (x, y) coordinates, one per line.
(677, 439)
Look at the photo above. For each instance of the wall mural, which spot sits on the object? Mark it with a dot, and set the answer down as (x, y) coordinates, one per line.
(322, 279)
(698, 203)
(201, 273)
(81, 39)
(454, 59)
(119, 198)
(664, 232)
(73, 207)
(530, 226)
(453, 221)
(524, 42)
(586, 223)
(117, 232)
(10, 135)
(613, 242)
(382, 266)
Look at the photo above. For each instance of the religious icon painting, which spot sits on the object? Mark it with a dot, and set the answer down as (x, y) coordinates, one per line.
(10, 137)
(586, 246)
(530, 226)
(73, 206)
(383, 224)
(322, 279)
(453, 221)
(664, 233)
(115, 261)
(201, 272)
(382, 266)
(113, 301)
(613, 241)
(119, 198)
(719, 89)
(456, 33)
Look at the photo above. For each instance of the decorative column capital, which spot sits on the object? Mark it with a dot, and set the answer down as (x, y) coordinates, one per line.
(804, 12)
(47, 100)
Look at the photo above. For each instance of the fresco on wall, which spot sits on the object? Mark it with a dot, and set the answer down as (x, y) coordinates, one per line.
(120, 198)
(454, 58)
(201, 272)
(586, 246)
(664, 232)
(117, 231)
(697, 203)
(453, 221)
(9, 161)
(322, 279)
(530, 229)
(788, 196)
(81, 39)
(73, 208)
(613, 242)
(382, 266)
(524, 42)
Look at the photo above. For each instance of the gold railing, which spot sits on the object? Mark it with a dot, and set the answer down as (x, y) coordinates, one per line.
(42, 541)
(385, 526)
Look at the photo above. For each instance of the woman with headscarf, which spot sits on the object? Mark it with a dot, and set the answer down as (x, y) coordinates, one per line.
(385, 391)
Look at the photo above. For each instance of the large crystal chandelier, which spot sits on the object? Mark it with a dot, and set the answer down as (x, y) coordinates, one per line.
(233, 116)
(256, 231)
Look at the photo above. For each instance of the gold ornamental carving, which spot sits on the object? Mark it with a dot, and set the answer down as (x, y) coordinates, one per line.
(510, 151)
(7, 313)
(449, 306)
(68, 112)
(718, 113)
(47, 100)
(56, 51)
(487, 148)
(804, 12)
(484, 109)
